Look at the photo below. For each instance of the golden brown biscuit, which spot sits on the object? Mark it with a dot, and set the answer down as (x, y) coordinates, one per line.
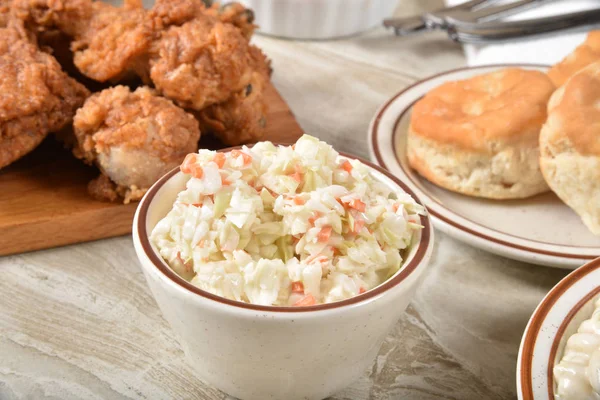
(570, 145)
(480, 136)
(587, 53)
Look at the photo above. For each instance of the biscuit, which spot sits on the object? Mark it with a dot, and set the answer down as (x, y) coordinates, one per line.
(570, 145)
(587, 53)
(480, 136)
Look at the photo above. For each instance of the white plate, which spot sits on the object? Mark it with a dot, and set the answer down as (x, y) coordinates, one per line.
(553, 322)
(540, 230)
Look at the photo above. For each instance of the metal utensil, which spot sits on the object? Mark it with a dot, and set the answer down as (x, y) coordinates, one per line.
(409, 25)
(492, 13)
(501, 31)
(480, 21)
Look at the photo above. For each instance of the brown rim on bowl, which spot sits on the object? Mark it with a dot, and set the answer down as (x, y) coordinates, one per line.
(159, 263)
(457, 225)
(537, 320)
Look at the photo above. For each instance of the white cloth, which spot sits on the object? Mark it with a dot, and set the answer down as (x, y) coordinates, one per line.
(543, 50)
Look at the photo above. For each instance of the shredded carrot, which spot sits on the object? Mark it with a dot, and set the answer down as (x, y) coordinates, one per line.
(297, 287)
(187, 162)
(361, 290)
(395, 207)
(307, 300)
(317, 258)
(346, 166)
(219, 159)
(297, 177)
(246, 157)
(298, 174)
(316, 215)
(324, 235)
(201, 243)
(197, 204)
(358, 225)
(293, 147)
(189, 166)
(186, 265)
(224, 181)
(358, 205)
(298, 200)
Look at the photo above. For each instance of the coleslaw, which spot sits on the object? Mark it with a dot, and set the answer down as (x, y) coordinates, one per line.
(285, 225)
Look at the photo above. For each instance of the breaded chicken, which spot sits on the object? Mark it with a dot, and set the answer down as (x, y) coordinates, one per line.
(196, 56)
(242, 118)
(235, 14)
(4, 13)
(108, 41)
(114, 42)
(186, 51)
(36, 96)
(200, 63)
(196, 59)
(134, 138)
(69, 16)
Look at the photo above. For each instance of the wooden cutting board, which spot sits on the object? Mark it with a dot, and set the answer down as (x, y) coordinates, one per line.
(44, 202)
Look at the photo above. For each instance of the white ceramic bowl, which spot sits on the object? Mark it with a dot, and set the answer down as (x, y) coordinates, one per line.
(318, 19)
(265, 352)
(555, 319)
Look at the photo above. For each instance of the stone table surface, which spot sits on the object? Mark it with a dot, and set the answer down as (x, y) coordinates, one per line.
(78, 322)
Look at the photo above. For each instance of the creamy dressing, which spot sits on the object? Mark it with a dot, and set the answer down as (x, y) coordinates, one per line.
(577, 374)
(289, 225)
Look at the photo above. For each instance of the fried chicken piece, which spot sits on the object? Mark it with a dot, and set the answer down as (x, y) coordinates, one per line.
(108, 41)
(114, 42)
(36, 96)
(200, 62)
(134, 138)
(4, 13)
(235, 14)
(242, 118)
(189, 54)
(69, 16)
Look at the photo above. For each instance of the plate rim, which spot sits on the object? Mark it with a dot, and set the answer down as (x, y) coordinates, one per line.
(508, 248)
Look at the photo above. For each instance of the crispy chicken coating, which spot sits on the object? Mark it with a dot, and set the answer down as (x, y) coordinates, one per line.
(242, 118)
(198, 57)
(36, 96)
(108, 41)
(134, 138)
(4, 13)
(200, 63)
(114, 42)
(193, 55)
(235, 14)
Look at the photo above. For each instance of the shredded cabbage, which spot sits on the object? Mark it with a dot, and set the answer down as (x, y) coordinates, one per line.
(285, 226)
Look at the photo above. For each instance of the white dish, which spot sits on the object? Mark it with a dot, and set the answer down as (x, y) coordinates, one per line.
(318, 19)
(540, 230)
(264, 352)
(556, 318)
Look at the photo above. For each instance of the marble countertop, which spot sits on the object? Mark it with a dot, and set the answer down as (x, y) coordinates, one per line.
(79, 322)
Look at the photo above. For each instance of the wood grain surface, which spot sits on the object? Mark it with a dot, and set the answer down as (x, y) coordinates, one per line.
(44, 201)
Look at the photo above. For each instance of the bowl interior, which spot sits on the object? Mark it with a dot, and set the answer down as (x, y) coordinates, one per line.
(159, 201)
(166, 195)
(556, 318)
(580, 312)
(585, 312)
